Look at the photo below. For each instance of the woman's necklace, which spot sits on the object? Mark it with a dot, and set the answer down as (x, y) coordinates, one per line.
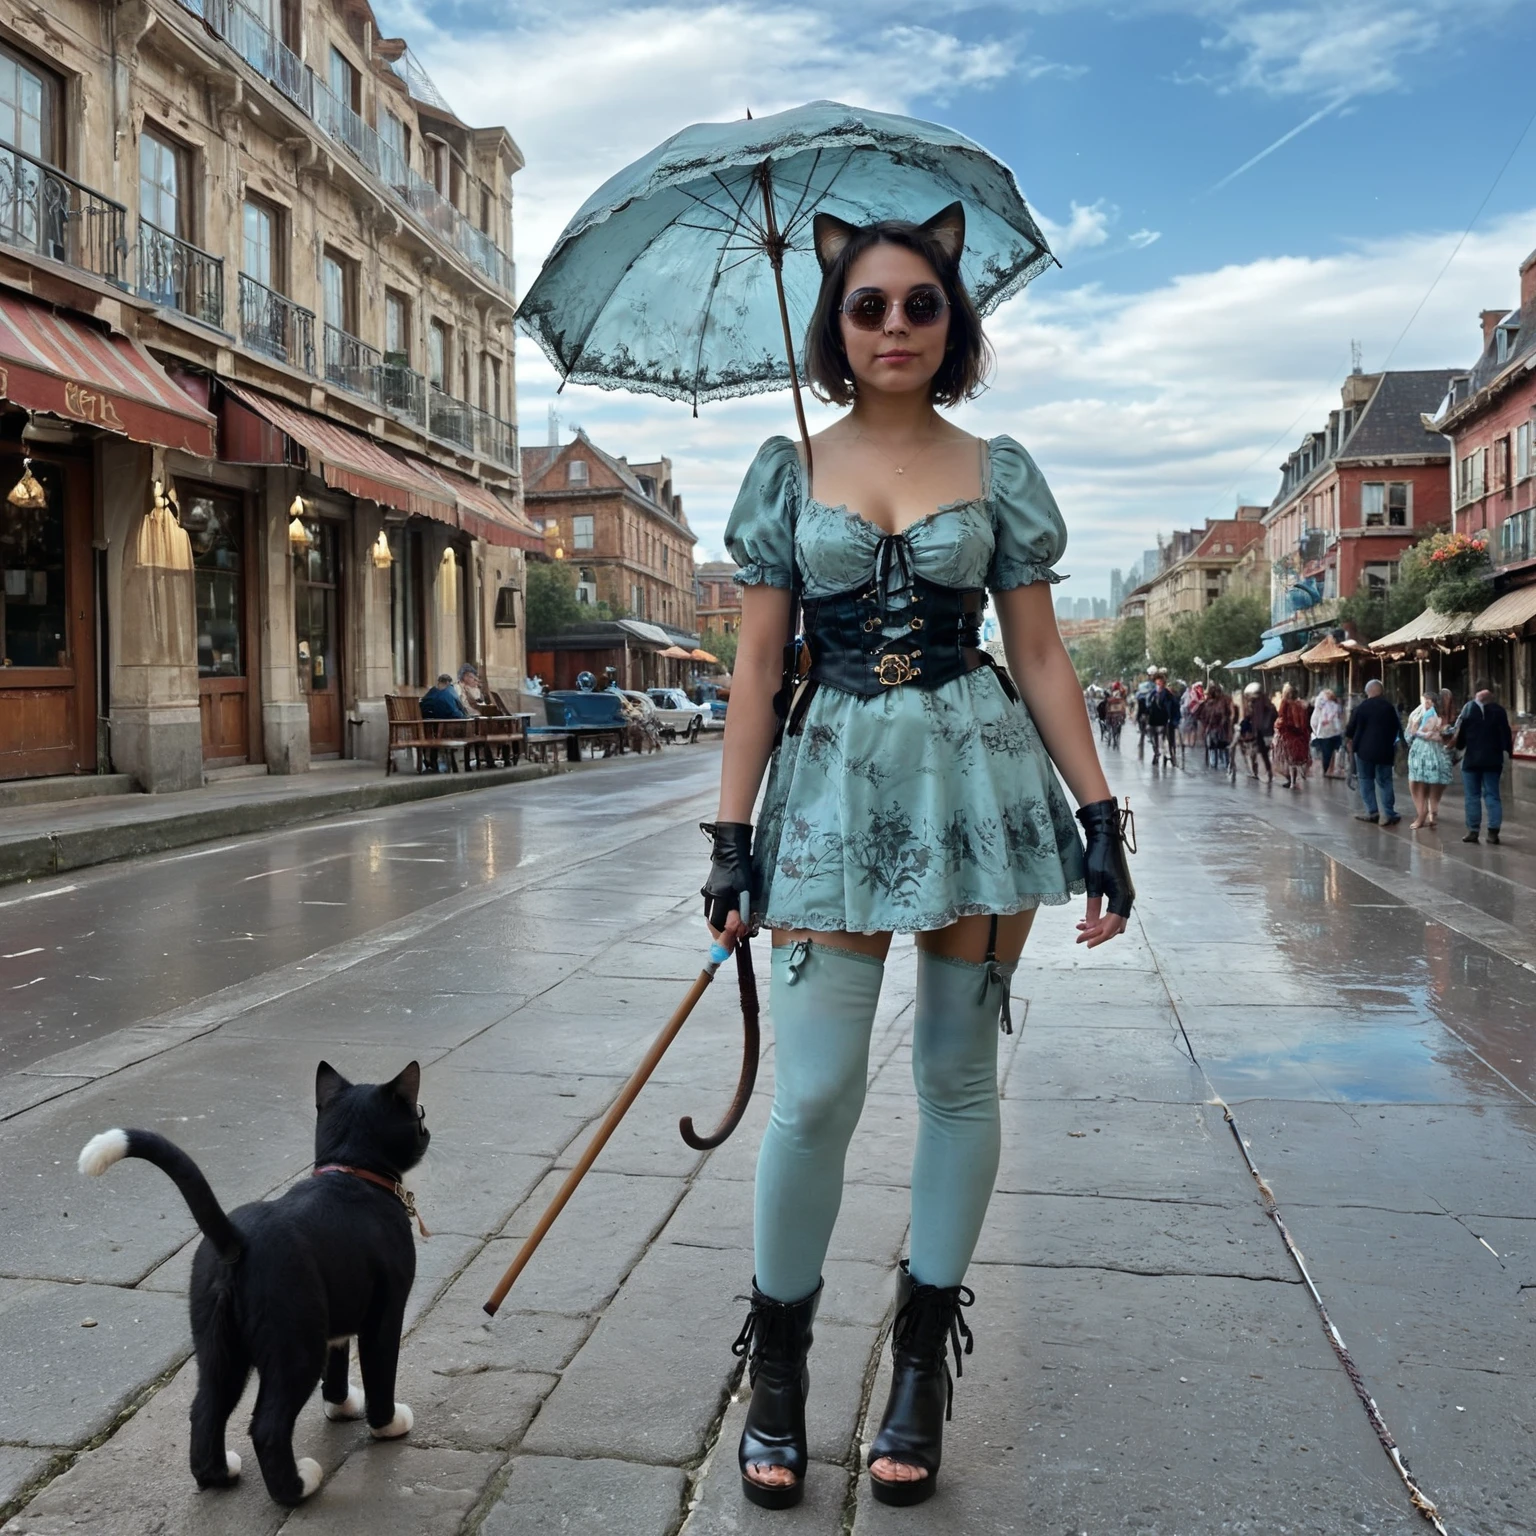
(900, 469)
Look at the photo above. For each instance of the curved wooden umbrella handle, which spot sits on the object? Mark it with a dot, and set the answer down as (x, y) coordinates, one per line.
(750, 1043)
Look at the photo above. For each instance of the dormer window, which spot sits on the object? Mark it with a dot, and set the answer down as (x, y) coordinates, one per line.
(576, 472)
(1504, 342)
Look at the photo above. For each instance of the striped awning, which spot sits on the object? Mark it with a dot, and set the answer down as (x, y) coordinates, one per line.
(482, 513)
(347, 460)
(68, 367)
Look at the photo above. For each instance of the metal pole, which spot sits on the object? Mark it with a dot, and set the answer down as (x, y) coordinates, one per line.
(774, 244)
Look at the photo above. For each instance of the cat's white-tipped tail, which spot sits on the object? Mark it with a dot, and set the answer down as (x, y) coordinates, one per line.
(100, 1152)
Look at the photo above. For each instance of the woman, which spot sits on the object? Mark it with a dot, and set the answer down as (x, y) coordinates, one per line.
(1293, 741)
(912, 792)
(1429, 761)
(1327, 729)
(1216, 722)
(1256, 728)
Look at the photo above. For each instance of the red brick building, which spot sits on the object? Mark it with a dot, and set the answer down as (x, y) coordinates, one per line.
(620, 526)
(1490, 416)
(719, 598)
(1356, 494)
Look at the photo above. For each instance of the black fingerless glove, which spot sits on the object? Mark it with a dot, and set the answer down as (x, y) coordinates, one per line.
(1105, 870)
(730, 869)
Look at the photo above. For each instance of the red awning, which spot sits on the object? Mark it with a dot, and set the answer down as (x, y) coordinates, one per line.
(350, 461)
(482, 513)
(67, 367)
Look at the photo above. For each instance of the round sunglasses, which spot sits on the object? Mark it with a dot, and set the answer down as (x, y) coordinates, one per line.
(866, 308)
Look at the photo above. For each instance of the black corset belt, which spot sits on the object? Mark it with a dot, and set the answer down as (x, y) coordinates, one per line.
(860, 645)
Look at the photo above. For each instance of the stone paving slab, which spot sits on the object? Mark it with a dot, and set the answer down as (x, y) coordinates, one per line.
(21, 1466)
(596, 1497)
(398, 1486)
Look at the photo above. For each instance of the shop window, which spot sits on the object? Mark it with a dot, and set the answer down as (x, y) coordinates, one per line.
(583, 532)
(214, 523)
(32, 608)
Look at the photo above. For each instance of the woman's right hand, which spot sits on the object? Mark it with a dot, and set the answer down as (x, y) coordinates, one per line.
(729, 881)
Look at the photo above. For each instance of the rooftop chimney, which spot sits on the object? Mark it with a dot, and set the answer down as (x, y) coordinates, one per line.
(1490, 318)
(1528, 281)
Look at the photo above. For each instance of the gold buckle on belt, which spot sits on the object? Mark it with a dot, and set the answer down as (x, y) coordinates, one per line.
(892, 670)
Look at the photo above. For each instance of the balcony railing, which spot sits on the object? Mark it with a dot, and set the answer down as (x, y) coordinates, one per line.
(403, 390)
(44, 211)
(495, 439)
(450, 419)
(276, 326)
(176, 274)
(351, 364)
(250, 37)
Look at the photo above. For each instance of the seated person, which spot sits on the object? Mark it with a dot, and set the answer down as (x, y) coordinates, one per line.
(468, 689)
(442, 702)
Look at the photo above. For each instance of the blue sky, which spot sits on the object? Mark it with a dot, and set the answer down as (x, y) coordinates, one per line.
(1204, 313)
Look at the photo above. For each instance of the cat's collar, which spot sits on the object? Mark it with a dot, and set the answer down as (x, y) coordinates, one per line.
(394, 1186)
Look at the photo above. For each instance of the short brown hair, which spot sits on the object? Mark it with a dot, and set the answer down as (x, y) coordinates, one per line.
(967, 357)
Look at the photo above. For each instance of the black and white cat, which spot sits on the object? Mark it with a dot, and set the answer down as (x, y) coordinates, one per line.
(285, 1285)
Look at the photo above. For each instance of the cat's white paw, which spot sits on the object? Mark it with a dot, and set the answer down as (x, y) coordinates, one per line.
(232, 1462)
(350, 1407)
(401, 1424)
(309, 1475)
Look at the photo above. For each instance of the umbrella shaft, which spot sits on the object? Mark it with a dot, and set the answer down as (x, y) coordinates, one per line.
(775, 245)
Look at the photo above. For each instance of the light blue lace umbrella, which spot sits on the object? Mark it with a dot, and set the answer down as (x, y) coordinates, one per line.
(691, 274)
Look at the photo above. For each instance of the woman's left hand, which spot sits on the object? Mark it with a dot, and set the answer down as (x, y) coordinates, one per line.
(1098, 926)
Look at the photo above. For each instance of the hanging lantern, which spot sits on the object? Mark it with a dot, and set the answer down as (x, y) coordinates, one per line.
(383, 556)
(28, 494)
(299, 539)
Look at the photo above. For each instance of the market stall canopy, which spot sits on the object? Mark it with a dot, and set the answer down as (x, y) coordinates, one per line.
(1513, 611)
(344, 459)
(1329, 651)
(705, 656)
(1429, 627)
(1275, 663)
(677, 653)
(648, 633)
(69, 368)
(1272, 646)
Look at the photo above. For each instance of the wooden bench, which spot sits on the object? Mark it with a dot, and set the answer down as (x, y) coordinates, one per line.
(408, 732)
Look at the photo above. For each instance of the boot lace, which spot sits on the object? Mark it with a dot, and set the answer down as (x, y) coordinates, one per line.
(914, 1328)
(767, 1325)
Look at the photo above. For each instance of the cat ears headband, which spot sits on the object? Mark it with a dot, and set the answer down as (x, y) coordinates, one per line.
(831, 235)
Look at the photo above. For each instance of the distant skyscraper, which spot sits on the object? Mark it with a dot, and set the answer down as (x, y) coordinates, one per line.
(1082, 608)
(1100, 608)
(1117, 590)
(1063, 607)
(1151, 564)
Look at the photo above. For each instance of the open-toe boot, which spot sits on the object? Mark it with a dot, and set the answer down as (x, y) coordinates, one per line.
(776, 1339)
(928, 1325)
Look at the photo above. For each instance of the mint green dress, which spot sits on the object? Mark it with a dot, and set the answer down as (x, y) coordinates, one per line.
(904, 812)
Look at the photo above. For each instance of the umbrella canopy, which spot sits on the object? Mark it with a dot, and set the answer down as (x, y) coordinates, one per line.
(703, 656)
(676, 653)
(667, 279)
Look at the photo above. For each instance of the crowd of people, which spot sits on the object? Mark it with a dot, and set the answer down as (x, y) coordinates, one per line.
(1282, 736)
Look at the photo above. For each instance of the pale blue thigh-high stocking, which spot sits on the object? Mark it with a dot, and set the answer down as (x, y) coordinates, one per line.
(959, 1135)
(823, 1004)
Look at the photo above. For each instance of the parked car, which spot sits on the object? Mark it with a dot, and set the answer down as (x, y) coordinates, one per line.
(713, 698)
(579, 706)
(677, 714)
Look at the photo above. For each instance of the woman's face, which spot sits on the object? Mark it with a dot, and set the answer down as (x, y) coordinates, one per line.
(899, 356)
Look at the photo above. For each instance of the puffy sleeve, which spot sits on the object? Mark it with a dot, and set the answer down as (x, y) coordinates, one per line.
(760, 536)
(1026, 523)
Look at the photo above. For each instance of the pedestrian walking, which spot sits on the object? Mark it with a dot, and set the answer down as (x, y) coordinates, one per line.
(1483, 734)
(1293, 739)
(1429, 763)
(1160, 712)
(1216, 724)
(1327, 727)
(1373, 732)
(881, 814)
(1257, 728)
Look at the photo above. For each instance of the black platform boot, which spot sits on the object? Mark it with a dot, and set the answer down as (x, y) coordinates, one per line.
(928, 1324)
(776, 1338)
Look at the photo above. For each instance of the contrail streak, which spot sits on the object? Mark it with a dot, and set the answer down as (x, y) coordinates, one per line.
(1280, 143)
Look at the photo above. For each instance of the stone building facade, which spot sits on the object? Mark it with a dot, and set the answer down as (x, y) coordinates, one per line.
(247, 253)
(620, 527)
(719, 599)
(1203, 567)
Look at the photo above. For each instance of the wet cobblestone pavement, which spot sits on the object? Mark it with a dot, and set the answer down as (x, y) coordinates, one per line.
(1148, 1358)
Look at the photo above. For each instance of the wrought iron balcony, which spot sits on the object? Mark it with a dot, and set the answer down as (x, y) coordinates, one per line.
(50, 214)
(351, 364)
(176, 274)
(402, 389)
(450, 419)
(495, 439)
(276, 326)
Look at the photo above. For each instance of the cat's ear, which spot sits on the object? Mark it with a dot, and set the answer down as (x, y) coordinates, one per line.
(947, 226)
(408, 1084)
(830, 235)
(328, 1083)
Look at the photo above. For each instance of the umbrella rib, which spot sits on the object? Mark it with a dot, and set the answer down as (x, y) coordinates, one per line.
(805, 192)
(789, 229)
(741, 207)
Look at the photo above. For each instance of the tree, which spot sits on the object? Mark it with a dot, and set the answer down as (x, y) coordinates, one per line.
(719, 642)
(551, 601)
